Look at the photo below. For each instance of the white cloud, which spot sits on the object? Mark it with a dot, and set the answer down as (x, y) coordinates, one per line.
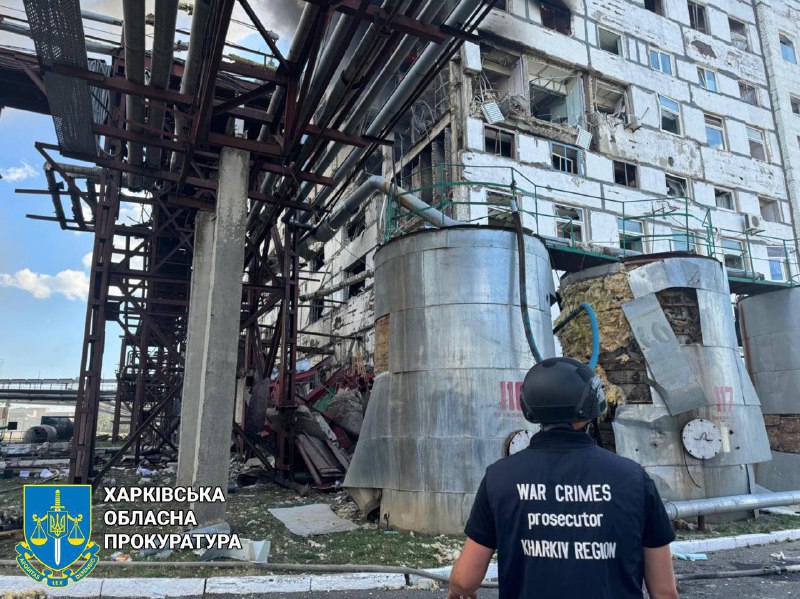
(87, 260)
(15, 174)
(72, 284)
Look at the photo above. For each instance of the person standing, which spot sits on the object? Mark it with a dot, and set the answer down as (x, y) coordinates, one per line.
(566, 517)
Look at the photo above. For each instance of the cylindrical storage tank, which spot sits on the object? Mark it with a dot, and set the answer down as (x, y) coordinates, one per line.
(450, 358)
(770, 328)
(682, 404)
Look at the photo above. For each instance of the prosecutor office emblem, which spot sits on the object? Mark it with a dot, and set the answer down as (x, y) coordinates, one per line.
(58, 528)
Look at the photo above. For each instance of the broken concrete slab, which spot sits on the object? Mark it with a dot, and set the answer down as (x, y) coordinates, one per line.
(314, 519)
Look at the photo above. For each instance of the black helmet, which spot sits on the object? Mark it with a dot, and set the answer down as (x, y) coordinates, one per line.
(562, 390)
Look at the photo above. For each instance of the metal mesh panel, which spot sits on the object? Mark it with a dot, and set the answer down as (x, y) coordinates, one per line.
(57, 32)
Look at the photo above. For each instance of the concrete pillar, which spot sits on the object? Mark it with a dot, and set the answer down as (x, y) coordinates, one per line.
(195, 345)
(217, 345)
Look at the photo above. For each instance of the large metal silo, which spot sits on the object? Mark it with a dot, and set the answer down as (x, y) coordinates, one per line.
(451, 356)
(770, 328)
(682, 403)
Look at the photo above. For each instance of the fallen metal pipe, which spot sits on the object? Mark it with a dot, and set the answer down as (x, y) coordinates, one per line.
(133, 27)
(327, 228)
(732, 503)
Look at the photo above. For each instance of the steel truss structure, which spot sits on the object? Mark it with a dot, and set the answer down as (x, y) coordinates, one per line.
(141, 272)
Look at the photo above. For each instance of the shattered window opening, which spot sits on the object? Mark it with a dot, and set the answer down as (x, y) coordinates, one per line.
(758, 145)
(655, 6)
(787, 49)
(715, 131)
(357, 226)
(318, 261)
(748, 93)
(498, 142)
(795, 103)
(317, 309)
(556, 16)
(499, 209)
(733, 253)
(770, 210)
(609, 41)
(625, 174)
(660, 61)
(707, 79)
(724, 198)
(566, 159)
(697, 17)
(569, 222)
(354, 269)
(677, 187)
(670, 115)
(739, 34)
(611, 99)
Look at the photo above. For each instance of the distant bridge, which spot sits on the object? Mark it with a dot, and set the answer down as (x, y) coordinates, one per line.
(45, 390)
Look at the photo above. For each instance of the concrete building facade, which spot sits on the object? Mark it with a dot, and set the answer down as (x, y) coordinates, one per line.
(620, 126)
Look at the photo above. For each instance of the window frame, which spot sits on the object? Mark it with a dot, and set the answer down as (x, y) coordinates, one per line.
(316, 310)
(661, 54)
(499, 132)
(780, 260)
(620, 41)
(763, 141)
(734, 202)
(676, 234)
(625, 168)
(678, 114)
(698, 9)
(788, 51)
(703, 79)
(494, 210)
(756, 98)
(740, 254)
(721, 128)
(658, 7)
(578, 160)
(747, 47)
(686, 180)
(554, 10)
(778, 210)
(580, 224)
(794, 103)
(625, 234)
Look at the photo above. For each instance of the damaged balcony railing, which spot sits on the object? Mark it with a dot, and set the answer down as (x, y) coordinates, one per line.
(646, 226)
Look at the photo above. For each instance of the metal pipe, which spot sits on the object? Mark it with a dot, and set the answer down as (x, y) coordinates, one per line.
(93, 16)
(191, 70)
(163, 44)
(133, 27)
(422, 65)
(327, 228)
(732, 503)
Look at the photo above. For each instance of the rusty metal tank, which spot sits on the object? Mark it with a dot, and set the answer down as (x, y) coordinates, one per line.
(682, 403)
(451, 356)
(770, 329)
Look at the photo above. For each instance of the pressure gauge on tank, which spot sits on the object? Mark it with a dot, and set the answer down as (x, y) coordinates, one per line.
(701, 438)
(517, 441)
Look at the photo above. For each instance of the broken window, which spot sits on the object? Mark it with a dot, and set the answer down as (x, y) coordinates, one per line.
(569, 223)
(677, 187)
(670, 115)
(795, 102)
(317, 309)
(656, 6)
(625, 174)
(660, 61)
(317, 262)
(715, 131)
(498, 142)
(354, 269)
(556, 16)
(748, 93)
(357, 225)
(739, 34)
(787, 49)
(724, 199)
(609, 41)
(777, 258)
(499, 209)
(697, 17)
(758, 146)
(611, 99)
(733, 253)
(501, 5)
(565, 158)
(631, 233)
(707, 79)
(680, 241)
(770, 210)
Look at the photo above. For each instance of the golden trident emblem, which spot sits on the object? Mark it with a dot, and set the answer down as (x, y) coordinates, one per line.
(56, 522)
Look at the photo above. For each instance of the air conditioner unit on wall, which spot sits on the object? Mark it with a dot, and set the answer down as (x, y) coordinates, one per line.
(753, 223)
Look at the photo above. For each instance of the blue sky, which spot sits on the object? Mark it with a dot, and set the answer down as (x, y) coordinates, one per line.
(43, 276)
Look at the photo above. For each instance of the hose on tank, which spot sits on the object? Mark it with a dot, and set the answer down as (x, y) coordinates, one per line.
(584, 307)
(523, 286)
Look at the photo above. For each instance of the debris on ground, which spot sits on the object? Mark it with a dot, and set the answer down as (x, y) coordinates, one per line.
(314, 519)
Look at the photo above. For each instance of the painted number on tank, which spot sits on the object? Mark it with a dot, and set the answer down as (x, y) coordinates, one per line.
(510, 392)
(724, 397)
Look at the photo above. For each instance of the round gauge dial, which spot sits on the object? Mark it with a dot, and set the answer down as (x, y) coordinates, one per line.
(517, 441)
(701, 438)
